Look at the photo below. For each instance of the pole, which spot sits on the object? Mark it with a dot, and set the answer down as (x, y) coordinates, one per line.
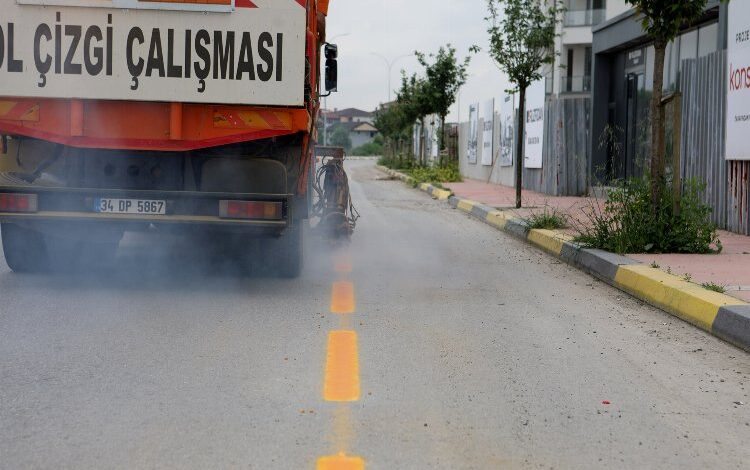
(389, 64)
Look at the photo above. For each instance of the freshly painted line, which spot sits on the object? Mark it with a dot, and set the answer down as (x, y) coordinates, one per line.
(341, 382)
(342, 297)
(342, 263)
(340, 462)
(688, 301)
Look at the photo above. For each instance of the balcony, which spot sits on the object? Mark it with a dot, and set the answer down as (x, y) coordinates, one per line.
(575, 84)
(587, 17)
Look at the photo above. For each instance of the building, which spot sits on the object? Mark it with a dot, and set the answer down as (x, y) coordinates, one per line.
(573, 64)
(358, 123)
(707, 114)
(348, 115)
(623, 62)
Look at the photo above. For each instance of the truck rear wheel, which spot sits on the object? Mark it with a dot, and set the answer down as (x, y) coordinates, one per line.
(25, 249)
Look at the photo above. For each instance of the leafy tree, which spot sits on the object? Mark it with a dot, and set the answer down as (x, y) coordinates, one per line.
(414, 100)
(445, 76)
(662, 21)
(392, 121)
(340, 137)
(522, 39)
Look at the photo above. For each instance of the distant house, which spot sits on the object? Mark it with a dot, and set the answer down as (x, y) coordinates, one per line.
(358, 123)
(349, 115)
(360, 133)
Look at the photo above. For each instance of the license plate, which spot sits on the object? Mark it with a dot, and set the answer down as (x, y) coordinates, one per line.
(130, 206)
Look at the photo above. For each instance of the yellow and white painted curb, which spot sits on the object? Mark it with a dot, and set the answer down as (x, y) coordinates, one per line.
(719, 314)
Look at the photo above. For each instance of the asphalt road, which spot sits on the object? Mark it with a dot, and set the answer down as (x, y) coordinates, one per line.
(467, 349)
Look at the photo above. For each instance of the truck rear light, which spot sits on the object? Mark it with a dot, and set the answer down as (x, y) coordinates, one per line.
(250, 210)
(11, 202)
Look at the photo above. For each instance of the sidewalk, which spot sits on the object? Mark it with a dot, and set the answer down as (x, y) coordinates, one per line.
(730, 269)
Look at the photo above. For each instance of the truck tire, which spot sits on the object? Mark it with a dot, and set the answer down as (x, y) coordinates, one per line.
(289, 249)
(25, 249)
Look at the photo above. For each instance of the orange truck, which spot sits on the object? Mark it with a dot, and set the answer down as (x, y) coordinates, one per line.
(195, 115)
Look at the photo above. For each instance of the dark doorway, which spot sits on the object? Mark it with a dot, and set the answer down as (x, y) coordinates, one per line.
(635, 125)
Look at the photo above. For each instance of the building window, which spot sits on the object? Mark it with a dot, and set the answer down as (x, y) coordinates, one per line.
(584, 12)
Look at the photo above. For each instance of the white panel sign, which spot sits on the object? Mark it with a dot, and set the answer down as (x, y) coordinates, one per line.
(507, 130)
(738, 89)
(488, 114)
(534, 150)
(473, 133)
(246, 56)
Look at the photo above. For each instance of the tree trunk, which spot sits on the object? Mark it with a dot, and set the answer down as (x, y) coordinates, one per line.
(442, 132)
(520, 138)
(657, 127)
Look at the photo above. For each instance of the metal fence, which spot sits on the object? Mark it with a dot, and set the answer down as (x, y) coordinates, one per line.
(703, 107)
(566, 149)
(703, 85)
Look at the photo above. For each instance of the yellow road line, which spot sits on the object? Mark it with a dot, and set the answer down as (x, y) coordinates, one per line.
(341, 382)
(342, 263)
(342, 297)
(340, 462)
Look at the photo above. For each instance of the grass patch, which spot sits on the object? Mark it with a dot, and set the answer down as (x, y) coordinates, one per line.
(435, 175)
(549, 219)
(714, 287)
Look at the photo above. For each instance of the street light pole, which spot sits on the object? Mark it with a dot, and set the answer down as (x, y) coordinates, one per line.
(390, 64)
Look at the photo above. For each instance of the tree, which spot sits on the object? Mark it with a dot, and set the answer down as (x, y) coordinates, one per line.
(340, 137)
(522, 40)
(445, 76)
(662, 21)
(391, 124)
(414, 100)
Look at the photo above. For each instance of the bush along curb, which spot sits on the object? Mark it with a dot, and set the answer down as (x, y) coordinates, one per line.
(437, 193)
(719, 314)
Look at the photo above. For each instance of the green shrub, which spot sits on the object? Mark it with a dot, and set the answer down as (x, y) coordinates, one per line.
(626, 223)
(549, 219)
(368, 149)
(435, 174)
(423, 174)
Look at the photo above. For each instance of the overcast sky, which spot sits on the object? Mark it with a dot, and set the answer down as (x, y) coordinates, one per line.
(394, 28)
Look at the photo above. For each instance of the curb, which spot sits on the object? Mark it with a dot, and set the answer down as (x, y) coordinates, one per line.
(719, 314)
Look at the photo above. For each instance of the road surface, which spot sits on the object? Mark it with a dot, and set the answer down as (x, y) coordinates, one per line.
(466, 349)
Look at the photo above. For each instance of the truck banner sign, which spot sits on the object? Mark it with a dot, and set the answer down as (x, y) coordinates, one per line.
(245, 56)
